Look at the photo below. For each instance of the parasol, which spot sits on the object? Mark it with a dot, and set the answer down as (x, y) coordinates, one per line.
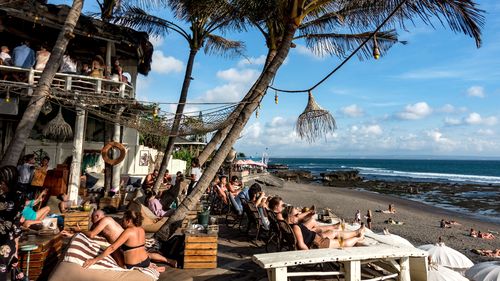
(441, 273)
(485, 271)
(446, 256)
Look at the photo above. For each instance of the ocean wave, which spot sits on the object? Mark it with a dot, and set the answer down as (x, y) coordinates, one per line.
(427, 175)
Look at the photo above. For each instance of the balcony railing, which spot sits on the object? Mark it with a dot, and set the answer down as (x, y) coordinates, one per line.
(69, 83)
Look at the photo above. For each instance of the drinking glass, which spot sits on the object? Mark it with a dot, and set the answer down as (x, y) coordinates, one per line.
(341, 242)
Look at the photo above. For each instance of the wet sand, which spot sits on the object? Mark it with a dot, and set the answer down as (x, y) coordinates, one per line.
(421, 221)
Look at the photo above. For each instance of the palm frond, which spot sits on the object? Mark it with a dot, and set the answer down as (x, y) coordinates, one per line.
(218, 45)
(137, 18)
(459, 15)
(341, 45)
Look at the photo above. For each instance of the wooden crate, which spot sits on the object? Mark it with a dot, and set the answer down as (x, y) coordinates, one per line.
(110, 201)
(200, 251)
(44, 259)
(82, 218)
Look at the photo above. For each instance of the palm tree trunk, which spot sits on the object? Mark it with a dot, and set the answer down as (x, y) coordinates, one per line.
(177, 119)
(222, 133)
(41, 92)
(259, 90)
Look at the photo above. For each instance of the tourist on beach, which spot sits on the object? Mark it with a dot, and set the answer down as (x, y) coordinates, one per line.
(276, 206)
(321, 237)
(97, 69)
(258, 198)
(154, 204)
(196, 173)
(357, 216)
(369, 218)
(486, 235)
(68, 65)
(40, 173)
(26, 171)
(221, 189)
(150, 179)
(116, 71)
(134, 256)
(443, 224)
(65, 204)
(5, 56)
(31, 216)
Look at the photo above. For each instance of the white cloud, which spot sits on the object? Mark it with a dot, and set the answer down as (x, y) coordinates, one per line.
(224, 93)
(430, 74)
(486, 132)
(375, 130)
(452, 121)
(303, 50)
(415, 111)
(238, 76)
(475, 119)
(252, 61)
(352, 111)
(476, 91)
(165, 64)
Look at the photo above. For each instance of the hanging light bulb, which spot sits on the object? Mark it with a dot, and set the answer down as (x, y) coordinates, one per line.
(7, 97)
(276, 97)
(376, 50)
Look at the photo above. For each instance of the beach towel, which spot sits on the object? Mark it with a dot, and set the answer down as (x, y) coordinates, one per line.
(82, 248)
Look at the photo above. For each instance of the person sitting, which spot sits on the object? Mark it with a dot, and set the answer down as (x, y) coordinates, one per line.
(42, 57)
(150, 179)
(221, 189)
(116, 71)
(97, 68)
(444, 224)
(318, 237)
(473, 233)
(167, 180)
(258, 198)
(34, 217)
(5, 56)
(65, 204)
(391, 221)
(85, 70)
(154, 204)
(390, 210)
(107, 227)
(134, 256)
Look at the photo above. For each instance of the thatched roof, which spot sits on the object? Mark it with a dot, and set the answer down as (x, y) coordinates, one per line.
(41, 23)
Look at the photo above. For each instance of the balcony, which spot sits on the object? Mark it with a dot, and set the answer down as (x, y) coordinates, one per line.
(63, 83)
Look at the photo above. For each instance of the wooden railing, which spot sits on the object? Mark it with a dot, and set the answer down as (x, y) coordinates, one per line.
(69, 83)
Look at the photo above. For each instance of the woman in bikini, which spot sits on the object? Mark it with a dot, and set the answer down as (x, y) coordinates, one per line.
(131, 241)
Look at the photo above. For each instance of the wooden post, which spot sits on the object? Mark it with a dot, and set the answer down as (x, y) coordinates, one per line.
(353, 270)
(76, 163)
(115, 184)
(404, 274)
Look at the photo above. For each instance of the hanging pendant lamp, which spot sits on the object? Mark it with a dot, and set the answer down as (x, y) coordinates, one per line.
(57, 129)
(314, 122)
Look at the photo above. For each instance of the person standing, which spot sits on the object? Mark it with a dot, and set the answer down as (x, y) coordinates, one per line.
(26, 171)
(40, 173)
(42, 57)
(357, 217)
(196, 173)
(369, 218)
(5, 56)
(23, 55)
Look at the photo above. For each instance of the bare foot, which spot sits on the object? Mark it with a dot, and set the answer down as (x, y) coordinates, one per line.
(160, 269)
(361, 230)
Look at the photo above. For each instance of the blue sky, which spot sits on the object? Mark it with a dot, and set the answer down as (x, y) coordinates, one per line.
(436, 96)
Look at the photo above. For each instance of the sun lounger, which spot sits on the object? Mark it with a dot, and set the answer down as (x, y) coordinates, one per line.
(399, 258)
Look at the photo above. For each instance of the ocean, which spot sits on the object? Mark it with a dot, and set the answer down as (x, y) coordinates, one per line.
(477, 181)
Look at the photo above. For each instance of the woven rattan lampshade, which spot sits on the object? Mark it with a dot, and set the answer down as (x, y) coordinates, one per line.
(315, 121)
(57, 129)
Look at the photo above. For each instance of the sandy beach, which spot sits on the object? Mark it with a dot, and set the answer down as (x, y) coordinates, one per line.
(421, 221)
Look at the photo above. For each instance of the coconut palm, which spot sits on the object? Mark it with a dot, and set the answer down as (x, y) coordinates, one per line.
(204, 18)
(292, 15)
(42, 90)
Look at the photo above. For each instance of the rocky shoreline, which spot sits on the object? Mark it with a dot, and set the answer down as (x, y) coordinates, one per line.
(479, 200)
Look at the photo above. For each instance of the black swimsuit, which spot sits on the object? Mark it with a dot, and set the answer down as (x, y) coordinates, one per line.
(144, 264)
(127, 248)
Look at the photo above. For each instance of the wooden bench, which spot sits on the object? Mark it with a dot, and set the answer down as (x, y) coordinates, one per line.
(405, 261)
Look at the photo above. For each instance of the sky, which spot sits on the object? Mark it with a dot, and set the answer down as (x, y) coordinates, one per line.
(438, 96)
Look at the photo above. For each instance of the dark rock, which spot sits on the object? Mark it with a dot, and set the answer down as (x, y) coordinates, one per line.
(348, 176)
(294, 175)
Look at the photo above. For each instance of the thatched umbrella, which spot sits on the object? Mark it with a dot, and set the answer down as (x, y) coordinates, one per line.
(57, 129)
(315, 121)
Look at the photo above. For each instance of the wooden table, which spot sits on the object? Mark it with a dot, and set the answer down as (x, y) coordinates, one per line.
(276, 264)
(73, 219)
(44, 258)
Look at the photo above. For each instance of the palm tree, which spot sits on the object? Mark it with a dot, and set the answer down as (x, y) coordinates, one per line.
(295, 15)
(204, 18)
(42, 90)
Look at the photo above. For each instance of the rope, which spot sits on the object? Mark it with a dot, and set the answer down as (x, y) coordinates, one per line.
(346, 59)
